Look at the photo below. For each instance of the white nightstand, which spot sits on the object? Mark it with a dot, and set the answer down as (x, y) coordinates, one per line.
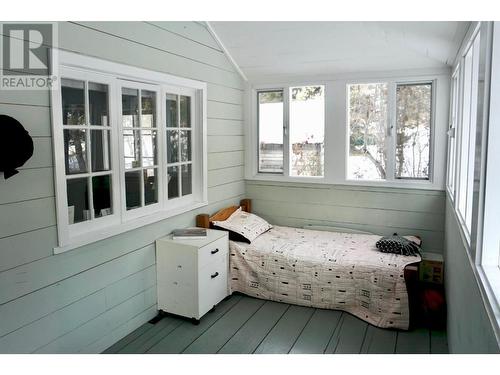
(192, 274)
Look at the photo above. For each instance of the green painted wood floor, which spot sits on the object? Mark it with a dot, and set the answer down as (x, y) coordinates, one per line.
(243, 325)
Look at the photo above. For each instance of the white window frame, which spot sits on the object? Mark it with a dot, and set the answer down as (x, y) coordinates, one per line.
(336, 129)
(390, 140)
(467, 156)
(72, 66)
(453, 131)
(91, 225)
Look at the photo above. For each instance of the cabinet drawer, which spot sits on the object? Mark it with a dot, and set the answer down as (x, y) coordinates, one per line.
(213, 252)
(212, 284)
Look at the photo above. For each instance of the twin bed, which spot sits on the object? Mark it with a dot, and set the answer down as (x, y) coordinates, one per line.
(322, 269)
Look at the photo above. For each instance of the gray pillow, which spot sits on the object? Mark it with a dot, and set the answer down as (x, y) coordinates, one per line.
(243, 226)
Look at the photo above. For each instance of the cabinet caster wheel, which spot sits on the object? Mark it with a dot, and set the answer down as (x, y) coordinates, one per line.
(158, 317)
(195, 321)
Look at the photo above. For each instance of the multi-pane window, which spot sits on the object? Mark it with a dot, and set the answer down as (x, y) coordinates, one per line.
(376, 151)
(87, 149)
(126, 152)
(179, 145)
(291, 131)
(140, 151)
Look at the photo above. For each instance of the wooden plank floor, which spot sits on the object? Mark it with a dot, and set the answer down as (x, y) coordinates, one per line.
(243, 325)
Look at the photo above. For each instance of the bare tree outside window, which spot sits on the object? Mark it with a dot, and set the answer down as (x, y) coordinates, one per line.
(367, 131)
(413, 130)
(307, 131)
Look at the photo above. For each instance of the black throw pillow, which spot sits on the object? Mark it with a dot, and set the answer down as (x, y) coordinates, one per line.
(397, 245)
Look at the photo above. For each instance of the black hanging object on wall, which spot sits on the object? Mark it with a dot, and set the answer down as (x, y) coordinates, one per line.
(16, 146)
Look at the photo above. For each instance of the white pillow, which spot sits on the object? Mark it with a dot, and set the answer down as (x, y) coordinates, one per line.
(243, 226)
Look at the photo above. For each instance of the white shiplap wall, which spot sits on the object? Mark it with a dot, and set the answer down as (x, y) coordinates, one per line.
(378, 210)
(86, 299)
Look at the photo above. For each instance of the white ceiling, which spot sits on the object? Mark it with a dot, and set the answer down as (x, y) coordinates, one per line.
(267, 51)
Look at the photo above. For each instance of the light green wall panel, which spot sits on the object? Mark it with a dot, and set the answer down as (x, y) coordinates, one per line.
(225, 127)
(195, 31)
(219, 160)
(35, 119)
(76, 38)
(150, 35)
(225, 143)
(382, 211)
(469, 328)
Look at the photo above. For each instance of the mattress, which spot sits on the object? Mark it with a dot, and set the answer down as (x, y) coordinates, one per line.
(341, 271)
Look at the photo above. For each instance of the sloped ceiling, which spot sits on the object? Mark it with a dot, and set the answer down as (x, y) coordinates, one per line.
(272, 50)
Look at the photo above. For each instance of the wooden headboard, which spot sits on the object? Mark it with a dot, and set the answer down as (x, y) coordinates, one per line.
(204, 220)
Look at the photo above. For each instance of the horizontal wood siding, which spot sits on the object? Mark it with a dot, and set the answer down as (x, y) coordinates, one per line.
(87, 299)
(382, 211)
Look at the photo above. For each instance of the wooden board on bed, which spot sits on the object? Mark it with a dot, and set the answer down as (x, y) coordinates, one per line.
(205, 220)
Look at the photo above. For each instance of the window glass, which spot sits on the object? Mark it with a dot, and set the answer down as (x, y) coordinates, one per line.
(150, 186)
(179, 146)
(73, 101)
(367, 119)
(148, 148)
(148, 109)
(172, 146)
(101, 150)
(130, 108)
(133, 189)
(185, 145)
(185, 115)
(270, 126)
(307, 130)
(186, 179)
(101, 193)
(98, 104)
(413, 130)
(131, 148)
(78, 200)
(75, 149)
(173, 182)
(171, 106)
(468, 133)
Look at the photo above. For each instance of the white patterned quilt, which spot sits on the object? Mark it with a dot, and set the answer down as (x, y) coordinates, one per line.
(341, 271)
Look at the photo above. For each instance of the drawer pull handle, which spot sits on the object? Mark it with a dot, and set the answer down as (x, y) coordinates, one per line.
(214, 251)
(214, 275)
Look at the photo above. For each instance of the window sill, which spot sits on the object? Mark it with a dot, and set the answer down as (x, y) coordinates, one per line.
(403, 184)
(98, 235)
